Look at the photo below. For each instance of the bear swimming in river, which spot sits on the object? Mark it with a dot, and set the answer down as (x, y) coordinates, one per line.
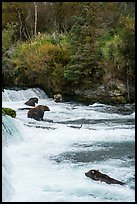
(32, 101)
(37, 113)
(98, 176)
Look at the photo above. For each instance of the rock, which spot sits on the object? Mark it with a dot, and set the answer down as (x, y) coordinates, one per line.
(112, 93)
(98, 94)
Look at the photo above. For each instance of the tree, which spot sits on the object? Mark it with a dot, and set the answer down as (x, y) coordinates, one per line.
(36, 16)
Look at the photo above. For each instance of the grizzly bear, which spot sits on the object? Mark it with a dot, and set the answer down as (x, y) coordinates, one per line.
(98, 176)
(37, 113)
(32, 101)
(58, 98)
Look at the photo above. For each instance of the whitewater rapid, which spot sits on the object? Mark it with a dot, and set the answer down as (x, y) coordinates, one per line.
(45, 161)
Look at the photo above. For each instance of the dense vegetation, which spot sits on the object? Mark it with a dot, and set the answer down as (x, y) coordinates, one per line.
(69, 46)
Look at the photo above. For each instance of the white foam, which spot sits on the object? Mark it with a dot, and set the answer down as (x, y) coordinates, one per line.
(37, 177)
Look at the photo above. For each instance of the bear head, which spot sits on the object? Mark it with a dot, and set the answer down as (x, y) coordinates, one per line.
(43, 108)
(91, 173)
(35, 99)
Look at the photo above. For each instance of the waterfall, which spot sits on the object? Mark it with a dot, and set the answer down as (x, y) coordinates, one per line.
(19, 95)
(11, 133)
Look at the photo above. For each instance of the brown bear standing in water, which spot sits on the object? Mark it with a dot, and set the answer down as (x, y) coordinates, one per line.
(98, 176)
(37, 113)
(32, 101)
(58, 98)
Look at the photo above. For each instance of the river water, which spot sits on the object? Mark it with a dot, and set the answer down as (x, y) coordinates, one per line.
(46, 161)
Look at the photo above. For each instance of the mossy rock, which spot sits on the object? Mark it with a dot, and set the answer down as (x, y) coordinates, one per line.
(9, 111)
(119, 100)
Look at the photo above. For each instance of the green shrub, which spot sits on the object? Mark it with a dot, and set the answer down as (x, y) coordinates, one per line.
(41, 61)
(7, 37)
(9, 111)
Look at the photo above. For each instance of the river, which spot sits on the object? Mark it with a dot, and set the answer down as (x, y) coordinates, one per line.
(46, 161)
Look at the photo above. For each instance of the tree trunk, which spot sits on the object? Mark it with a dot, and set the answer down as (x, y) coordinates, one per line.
(21, 25)
(36, 16)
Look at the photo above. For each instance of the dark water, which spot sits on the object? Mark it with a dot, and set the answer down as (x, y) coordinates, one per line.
(107, 151)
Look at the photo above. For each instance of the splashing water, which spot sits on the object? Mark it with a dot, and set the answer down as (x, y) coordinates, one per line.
(46, 161)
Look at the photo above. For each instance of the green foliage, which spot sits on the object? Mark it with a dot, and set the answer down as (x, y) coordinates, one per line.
(7, 37)
(81, 44)
(9, 111)
(71, 75)
(40, 59)
(7, 72)
(19, 14)
(114, 87)
(84, 51)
